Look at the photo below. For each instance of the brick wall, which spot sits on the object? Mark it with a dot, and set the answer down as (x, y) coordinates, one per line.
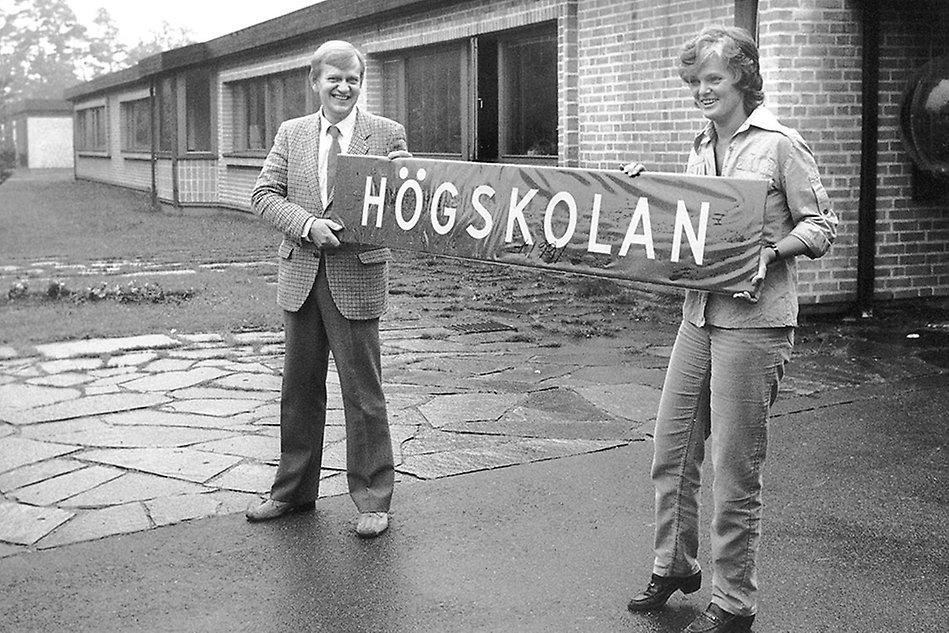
(912, 238)
(811, 63)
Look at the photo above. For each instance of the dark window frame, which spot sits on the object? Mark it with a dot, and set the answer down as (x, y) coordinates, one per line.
(136, 125)
(198, 109)
(263, 100)
(487, 111)
(91, 129)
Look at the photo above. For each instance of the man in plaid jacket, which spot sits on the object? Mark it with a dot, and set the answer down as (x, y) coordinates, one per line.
(332, 296)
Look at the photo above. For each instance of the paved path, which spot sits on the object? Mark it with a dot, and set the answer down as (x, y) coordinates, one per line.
(110, 436)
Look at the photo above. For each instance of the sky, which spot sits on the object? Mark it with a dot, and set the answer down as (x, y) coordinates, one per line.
(205, 19)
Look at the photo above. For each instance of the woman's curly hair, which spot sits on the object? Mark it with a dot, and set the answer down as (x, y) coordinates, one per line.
(739, 52)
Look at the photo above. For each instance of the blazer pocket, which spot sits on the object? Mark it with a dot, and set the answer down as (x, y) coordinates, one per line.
(375, 256)
(285, 250)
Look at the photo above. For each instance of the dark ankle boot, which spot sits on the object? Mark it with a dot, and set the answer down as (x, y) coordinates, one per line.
(661, 588)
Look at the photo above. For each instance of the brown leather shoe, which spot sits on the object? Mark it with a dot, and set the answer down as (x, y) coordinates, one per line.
(718, 620)
(661, 588)
(372, 524)
(273, 509)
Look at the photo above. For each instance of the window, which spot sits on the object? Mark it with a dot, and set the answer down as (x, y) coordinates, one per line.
(198, 110)
(137, 125)
(90, 129)
(433, 114)
(263, 103)
(167, 115)
(528, 98)
(491, 98)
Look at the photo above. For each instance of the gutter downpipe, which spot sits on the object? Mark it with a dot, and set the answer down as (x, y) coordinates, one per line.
(867, 211)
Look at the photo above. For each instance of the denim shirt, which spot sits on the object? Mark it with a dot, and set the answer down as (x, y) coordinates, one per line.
(796, 204)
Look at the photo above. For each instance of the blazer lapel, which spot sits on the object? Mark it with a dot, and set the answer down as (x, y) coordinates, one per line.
(361, 133)
(311, 144)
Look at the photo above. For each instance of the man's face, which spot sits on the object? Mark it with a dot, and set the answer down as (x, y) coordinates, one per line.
(715, 92)
(338, 89)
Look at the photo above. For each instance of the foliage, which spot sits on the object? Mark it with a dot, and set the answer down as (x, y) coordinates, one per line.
(44, 49)
(7, 162)
(130, 292)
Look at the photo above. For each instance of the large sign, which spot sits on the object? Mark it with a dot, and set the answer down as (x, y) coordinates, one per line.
(688, 231)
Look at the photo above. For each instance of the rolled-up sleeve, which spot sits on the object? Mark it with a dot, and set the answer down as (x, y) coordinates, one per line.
(815, 222)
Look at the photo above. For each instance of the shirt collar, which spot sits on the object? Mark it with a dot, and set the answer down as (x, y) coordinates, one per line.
(345, 126)
(760, 117)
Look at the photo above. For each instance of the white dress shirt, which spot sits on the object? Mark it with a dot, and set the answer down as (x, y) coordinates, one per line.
(345, 128)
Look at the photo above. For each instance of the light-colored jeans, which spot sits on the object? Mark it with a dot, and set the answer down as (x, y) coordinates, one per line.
(720, 383)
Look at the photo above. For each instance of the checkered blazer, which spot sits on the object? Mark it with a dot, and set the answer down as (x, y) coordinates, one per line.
(287, 193)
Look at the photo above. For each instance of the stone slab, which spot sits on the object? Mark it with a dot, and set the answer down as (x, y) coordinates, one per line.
(131, 360)
(132, 487)
(168, 364)
(171, 380)
(150, 417)
(24, 525)
(216, 393)
(9, 550)
(96, 433)
(249, 381)
(220, 408)
(16, 397)
(253, 478)
(37, 472)
(256, 447)
(66, 379)
(180, 463)
(71, 364)
(89, 405)
(98, 347)
(61, 487)
(442, 410)
(95, 524)
(629, 401)
(18, 451)
(170, 510)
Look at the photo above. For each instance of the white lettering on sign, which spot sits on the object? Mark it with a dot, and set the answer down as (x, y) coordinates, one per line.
(696, 243)
(443, 215)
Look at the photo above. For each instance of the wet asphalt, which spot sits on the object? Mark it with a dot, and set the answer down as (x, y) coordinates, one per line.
(855, 539)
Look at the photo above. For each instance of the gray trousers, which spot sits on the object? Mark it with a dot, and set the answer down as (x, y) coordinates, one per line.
(312, 332)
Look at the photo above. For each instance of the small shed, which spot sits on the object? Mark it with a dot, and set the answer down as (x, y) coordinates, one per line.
(41, 133)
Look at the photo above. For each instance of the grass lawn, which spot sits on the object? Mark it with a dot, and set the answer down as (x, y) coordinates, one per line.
(64, 242)
(86, 260)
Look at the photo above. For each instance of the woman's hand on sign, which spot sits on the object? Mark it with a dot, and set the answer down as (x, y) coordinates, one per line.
(399, 153)
(764, 258)
(632, 169)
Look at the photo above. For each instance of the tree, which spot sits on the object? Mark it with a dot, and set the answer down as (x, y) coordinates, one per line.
(44, 49)
(105, 52)
(39, 43)
(165, 38)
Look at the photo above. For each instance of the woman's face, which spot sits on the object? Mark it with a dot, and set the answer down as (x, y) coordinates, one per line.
(715, 92)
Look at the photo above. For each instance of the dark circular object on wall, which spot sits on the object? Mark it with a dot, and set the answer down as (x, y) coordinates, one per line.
(924, 117)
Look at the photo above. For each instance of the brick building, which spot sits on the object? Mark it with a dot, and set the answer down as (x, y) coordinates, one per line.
(577, 83)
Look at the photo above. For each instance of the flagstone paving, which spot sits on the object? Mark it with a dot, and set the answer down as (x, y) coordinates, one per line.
(110, 436)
